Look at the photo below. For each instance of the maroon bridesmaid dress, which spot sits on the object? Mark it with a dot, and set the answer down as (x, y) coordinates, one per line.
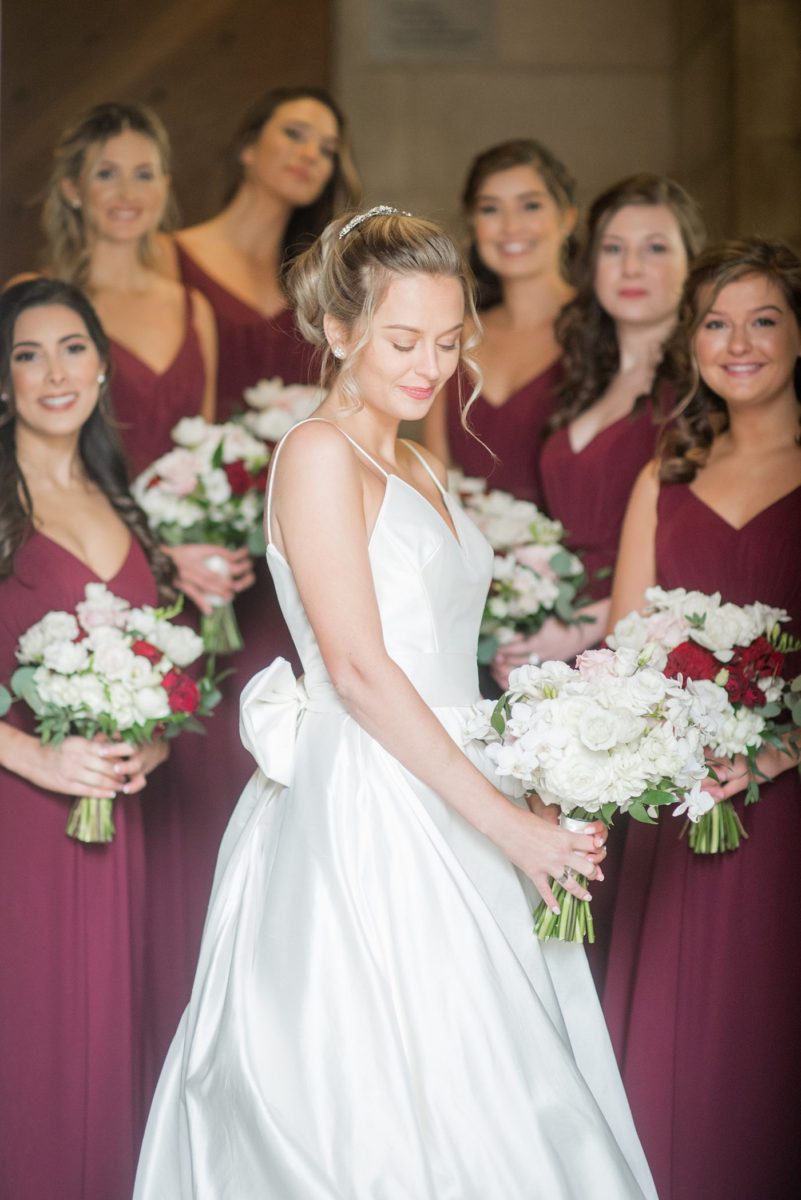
(514, 431)
(251, 346)
(72, 931)
(705, 965)
(148, 403)
(588, 490)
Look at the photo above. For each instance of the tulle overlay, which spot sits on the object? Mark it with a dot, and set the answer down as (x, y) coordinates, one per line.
(372, 1014)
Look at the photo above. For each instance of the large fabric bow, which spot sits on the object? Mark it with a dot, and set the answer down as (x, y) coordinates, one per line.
(269, 712)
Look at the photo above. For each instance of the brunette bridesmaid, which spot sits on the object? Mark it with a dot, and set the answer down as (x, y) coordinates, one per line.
(72, 916)
(519, 200)
(641, 235)
(290, 171)
(109, 195)
(702, 990)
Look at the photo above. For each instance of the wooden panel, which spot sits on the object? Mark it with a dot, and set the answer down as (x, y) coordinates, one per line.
(199, 63)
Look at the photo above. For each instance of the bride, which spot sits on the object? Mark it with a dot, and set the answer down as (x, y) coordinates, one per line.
(373, 1017)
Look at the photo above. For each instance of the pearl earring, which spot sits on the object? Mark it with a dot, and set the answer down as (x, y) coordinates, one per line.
(101, 377)
(338, 352)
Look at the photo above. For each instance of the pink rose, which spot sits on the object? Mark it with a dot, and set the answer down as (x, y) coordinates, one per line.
(538, 558)
(179, 471)
(594, 663)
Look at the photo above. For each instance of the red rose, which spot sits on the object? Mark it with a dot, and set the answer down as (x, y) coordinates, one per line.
(147, 650)
(691, 661)
(183, 694)
(759, 660)
(260, 480)
(239, 477)
(154, 482)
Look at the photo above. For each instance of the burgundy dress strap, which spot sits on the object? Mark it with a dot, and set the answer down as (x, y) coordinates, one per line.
(513, 431)
(250, 345)
(147, 403)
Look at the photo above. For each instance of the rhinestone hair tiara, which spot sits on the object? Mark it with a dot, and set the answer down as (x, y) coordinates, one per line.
(380, 210)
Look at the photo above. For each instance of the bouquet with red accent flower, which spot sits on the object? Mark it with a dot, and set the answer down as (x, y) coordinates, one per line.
(112, 670)
(732, 659)
(209, 490)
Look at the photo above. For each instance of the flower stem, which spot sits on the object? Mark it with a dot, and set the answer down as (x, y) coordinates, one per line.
(718, 831)
(220, 631)
(573, 923)
(91, 820)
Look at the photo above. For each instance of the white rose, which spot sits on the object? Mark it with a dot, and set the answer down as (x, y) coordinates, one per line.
(180, 644)
(151, 704)
(578, 780)
(66, 657)
(646, 690)
(629, 631)
(53, 627)
(114, 661)
(120, 706)
(91, 694)
(598, 728)
(216, 486)
(191, 432)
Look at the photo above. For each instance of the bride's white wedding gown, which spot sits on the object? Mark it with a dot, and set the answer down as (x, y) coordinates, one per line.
(373, 1017)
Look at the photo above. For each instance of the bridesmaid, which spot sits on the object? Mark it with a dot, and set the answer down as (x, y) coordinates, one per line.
(71, 916)
(291, 171)
(702, 991)
(108, 196)
(519, 200)
(641, 235)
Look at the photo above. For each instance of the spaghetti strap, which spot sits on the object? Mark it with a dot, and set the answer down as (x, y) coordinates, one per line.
(277, 451)
(421, 459)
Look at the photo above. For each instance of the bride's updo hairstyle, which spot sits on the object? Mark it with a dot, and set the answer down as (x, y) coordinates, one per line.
(701, 414)
(347, 271)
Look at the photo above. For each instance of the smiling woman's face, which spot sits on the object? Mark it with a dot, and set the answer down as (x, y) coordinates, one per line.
(641, 264)
(748, 343)
(54, 371)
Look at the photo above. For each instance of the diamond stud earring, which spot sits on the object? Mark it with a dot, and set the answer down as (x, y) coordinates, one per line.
(338, 352)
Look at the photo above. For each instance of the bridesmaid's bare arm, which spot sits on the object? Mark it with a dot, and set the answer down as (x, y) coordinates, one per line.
(321, 523)
(203, 318)
(635, 570)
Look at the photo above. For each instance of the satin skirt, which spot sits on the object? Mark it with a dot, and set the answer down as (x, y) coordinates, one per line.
(373, 1017)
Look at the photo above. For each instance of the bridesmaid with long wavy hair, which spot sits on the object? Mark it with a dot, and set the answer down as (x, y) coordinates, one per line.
(108, 197)
(290, 171)
(520, 204)
(72, 917)
(702, 987)
(640, 237)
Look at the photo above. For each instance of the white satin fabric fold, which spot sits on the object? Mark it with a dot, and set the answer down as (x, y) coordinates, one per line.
(373, 1017)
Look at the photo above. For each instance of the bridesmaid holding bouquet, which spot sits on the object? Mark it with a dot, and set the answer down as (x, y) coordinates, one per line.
(702, 988)
(520, 203)
(72, 916)
(641, 236)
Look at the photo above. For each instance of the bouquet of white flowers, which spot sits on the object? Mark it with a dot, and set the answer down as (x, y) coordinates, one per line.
(611, 735)
(110, 669)
(275, 407)
(209, 490)
(534, 577)
(731, 658)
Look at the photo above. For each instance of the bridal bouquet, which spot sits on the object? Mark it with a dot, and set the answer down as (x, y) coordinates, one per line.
(732, 659)
(209, 490)
(534, 577)
(274, 407)
(611, 735)
(114, 670)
